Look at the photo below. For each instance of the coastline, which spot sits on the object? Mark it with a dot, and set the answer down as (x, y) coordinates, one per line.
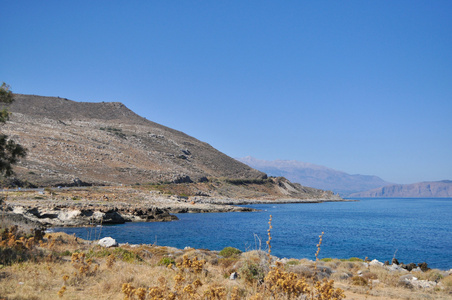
(117, 205)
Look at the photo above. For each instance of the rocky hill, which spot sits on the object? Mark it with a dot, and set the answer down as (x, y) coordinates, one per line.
(415, 190)
(316, 176)
(106, 143)
(77, 143)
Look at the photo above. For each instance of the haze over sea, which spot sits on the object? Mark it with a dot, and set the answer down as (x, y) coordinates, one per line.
(412, 230)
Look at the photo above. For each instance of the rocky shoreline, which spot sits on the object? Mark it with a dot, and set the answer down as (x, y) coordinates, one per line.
(50, 211)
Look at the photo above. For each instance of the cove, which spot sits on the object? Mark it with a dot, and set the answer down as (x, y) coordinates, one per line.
(413, 230)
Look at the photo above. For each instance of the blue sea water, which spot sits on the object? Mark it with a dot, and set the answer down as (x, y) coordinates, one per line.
(414, 230)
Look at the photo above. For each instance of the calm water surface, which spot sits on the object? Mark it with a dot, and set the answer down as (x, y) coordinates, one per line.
(415, 230)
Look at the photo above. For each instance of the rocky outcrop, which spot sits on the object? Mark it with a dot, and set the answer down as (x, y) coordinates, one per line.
(416, 190)
(79, 215)
(24, 225)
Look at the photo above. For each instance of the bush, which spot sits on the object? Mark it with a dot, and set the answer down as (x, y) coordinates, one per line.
(358, 280)
(126, 255)
(230, 251)
(252, 272)
(326, 259)
(353, 259)
(293, 262)
(65, 253)
(244, 181)
(166, 261)
(447, 281)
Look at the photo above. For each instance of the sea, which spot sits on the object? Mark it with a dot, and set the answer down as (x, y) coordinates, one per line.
(410, 230)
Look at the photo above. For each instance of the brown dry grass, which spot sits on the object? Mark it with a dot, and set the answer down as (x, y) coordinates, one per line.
(57, 275)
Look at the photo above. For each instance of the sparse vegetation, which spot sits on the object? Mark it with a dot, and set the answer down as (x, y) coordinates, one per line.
(116, 131)
(244, 181)
(166, 261)
(72, 268)
(230, 252)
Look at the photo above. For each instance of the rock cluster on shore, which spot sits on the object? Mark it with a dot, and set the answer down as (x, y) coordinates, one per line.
(78, 215)
(117, 205)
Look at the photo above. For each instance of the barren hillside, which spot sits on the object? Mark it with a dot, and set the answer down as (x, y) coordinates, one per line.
(106, 143)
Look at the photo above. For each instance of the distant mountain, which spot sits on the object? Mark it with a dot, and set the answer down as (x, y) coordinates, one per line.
(316, 176)
(415, 190)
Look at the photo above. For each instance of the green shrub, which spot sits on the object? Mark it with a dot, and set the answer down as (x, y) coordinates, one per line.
(126, 255)
(326, 259)
(96, 252)
(65, 253)
(293, 262)
(353, 259)
(230, 251)
(166, 261)
(252, 272)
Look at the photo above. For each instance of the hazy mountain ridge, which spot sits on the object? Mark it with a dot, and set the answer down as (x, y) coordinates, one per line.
(426, 189)
(316, 176)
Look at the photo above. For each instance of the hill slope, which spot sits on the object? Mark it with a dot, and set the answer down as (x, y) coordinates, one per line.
(71, 143)
(415, 190)
(106, 143)
(316, 176)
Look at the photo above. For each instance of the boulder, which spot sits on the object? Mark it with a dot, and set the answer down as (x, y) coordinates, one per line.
(409, 281)
(376, 263)
(424, 267)
(395, 267)
(409, 266)
(344, 276)
(108, 242)
(181, 179)
(407, 277)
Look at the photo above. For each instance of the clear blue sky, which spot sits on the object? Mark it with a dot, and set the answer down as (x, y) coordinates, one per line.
(359, 86)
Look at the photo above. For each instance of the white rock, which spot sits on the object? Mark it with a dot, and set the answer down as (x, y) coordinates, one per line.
(108, 242)
(395, 267)
(376, 263)
(233, 276)
(407, 277)
(98, 215)
(284, 260)
(422, 284)
(69, 215)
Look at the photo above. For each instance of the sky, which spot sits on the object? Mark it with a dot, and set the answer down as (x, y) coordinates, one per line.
(364, 87)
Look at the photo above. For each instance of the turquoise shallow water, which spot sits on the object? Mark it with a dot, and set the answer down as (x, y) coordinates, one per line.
(415, 230)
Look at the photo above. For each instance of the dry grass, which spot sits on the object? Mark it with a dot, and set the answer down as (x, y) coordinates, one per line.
(71, 268)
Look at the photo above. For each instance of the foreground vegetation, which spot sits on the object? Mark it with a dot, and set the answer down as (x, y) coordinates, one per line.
(61, 266)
